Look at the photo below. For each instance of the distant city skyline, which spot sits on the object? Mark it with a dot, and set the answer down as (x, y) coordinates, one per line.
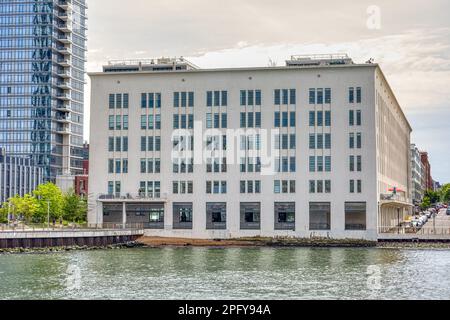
(412, 45)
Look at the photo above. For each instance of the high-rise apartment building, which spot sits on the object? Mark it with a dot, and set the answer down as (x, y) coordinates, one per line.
(42, 77)
(319, 147)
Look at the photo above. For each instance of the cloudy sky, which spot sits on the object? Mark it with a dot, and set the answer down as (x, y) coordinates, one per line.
(409, 38)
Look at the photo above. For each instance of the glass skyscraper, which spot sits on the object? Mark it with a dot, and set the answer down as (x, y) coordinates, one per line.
(42, 78)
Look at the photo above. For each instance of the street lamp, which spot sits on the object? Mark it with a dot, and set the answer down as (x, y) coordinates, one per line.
(48, 214)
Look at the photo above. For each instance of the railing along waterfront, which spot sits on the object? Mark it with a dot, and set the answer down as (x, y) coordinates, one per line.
(419, 231)
(70, 228)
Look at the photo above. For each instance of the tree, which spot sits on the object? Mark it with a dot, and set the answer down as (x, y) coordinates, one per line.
(445, 193)
(433, 196)
(426, 203)
(24, 207)
(4, 213)
(74, 208)
(45, 194)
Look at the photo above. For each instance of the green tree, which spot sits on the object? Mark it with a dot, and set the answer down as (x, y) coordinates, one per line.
(445, 193)
(4, 213)
(74, 208)
(45, 194)
(433, 196)
(426, 203)
(24, 207)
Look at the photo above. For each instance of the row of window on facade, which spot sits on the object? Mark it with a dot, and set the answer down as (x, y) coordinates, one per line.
(152, 216)
(151, 189)
(220, 98)
(220, 120)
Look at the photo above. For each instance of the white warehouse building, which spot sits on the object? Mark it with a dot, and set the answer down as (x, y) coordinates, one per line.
(319, 147)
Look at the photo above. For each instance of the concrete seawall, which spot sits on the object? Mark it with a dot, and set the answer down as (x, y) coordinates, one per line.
(67, 238)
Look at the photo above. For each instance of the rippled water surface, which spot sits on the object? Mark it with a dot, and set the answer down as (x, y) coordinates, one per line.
(231, 273)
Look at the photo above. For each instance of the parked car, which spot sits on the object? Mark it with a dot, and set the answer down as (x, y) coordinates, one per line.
(448, 211)
(416, 222)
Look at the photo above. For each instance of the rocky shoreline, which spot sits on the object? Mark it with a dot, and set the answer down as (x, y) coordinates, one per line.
(156, 242)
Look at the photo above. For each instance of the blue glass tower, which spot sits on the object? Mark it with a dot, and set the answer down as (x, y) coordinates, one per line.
(42, 77)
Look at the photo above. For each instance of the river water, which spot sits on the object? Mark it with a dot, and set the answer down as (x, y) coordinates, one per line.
(230, 273)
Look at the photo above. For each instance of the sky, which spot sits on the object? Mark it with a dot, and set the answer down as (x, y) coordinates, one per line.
(410, 39)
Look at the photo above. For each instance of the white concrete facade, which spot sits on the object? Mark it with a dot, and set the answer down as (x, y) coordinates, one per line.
(375, 114)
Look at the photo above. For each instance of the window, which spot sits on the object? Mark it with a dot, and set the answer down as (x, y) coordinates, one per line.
(319, 216)
(250, 213)
(111, 144)
(150, 122)
(118, 144)
(143, 143)
(243, 119)
(327, 95)
(312, 96)
(111, 122)
(216, 216)
(359, 186)
(327, 163)
(110, 187)
(242, 187)
(243, 97)
(125, 144)
(224, 98)
(285, 96)
(258, 97)
(258, 119)
(124, 165)
(176, 121)
(327, 118)
(191, 99)
(351, 141)
(118, 122)
(118, 166)
(143, 166)
(351, 95)
(151, 100)
(358, 95)
(312, 119)
(312, 164)
(352, 163)
(319, 118)
(157, 122)
(209, 120)
(319, 141)
(111, 101)
(143, 100)
(143, 122)
(250, 97)
(182, 215)
(351, 118)
(292, 141)
(292, 164)
(358, 117)
(277, 97)
(183, 99)
(319, 96)
(358, 140)
(125, 101)
(327, 140)
(209, 98)
(284, 119)
(319, 186)
(352, 186)
(312, 141)
(319, 164)
(158, 100)
(292, 96)
(359, 163)
(110, 165)
(292, 119)
(284, 216)
(327, 186)
(250, 122)
(125, 122)
(176, 99)
(277, 119)
(355, 215)
(312, 186)
(118, 101)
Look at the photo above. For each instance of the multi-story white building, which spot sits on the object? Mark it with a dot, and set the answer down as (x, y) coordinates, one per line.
(319, 147)
(416, 175)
